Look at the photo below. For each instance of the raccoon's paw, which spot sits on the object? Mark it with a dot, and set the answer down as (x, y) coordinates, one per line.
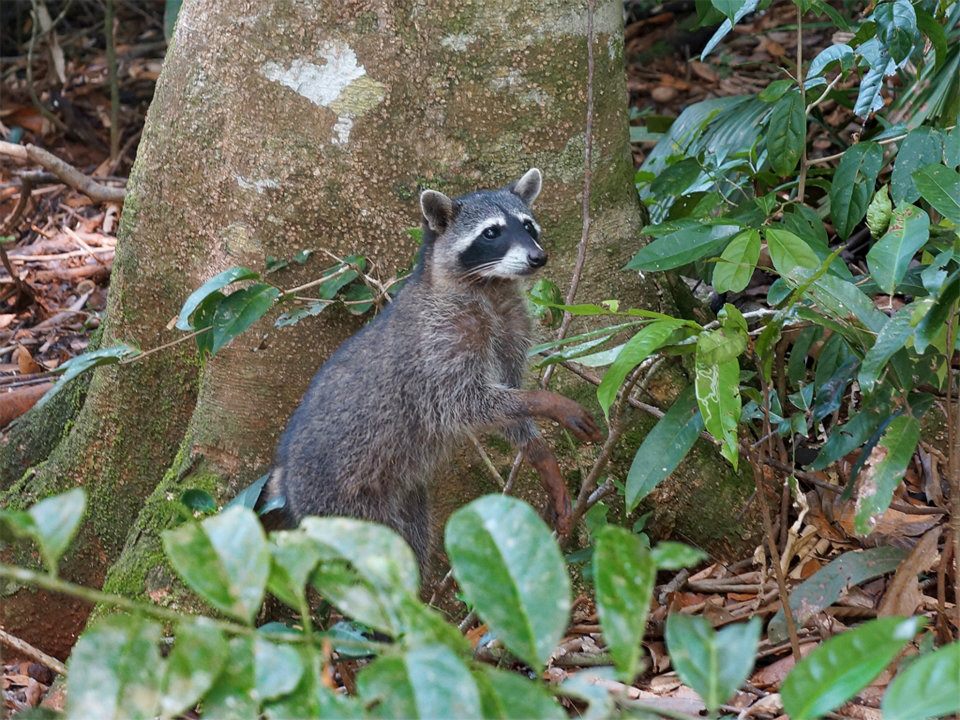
(582, 424)
(559, 514)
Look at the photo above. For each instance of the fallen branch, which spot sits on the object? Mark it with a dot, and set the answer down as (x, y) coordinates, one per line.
(25, 648)
(68, 174)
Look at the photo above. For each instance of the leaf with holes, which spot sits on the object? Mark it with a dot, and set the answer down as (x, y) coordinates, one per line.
(510, 568)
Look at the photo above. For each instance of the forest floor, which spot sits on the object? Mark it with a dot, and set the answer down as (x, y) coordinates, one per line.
(57, 248)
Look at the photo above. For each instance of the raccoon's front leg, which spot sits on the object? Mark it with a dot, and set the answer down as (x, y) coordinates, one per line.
(550, 405)
(540, 457)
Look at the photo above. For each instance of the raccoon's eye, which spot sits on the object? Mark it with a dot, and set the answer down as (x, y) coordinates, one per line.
(492, 233)
(529, 227)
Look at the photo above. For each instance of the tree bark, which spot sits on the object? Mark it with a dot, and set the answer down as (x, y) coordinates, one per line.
(279, 126)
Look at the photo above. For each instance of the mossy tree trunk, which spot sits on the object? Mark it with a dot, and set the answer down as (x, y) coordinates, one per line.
(279, 126)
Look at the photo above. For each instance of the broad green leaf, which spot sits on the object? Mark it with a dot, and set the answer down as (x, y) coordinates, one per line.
(687, 244)
(115, 670)
(239, 310)
(896, 27)
(55, 522)
(676, 178)
(728, 8)
(844, 665)
(233, 696)
(311, 699)
(669, 555)
(737, 262)
(890, 339)
(940, 186)
(715, 664)
(726, 26)
(934, 321)
(718, 396)
(933, 29)
(661, 451)
(81, 363)
(928, 687)
(883, 471)
(890, 256)
(852, 186)
(775, 90)
(277, 669)
(368, 603)
(834, 53)
(224, 559)
(824, 587)
(879, 212)
(787, 133)
(788, 252)
(624, 575)
(198, 654)
(509, 566)
(507, 695)
(422, 626)
(919, 148)
(211, 286)
(293, 558)
(635, 351)
(198, 501)
(870, 93)
(428, 682)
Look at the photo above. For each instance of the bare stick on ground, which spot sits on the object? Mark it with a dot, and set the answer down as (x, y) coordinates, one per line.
(66, 172)
(28, 650)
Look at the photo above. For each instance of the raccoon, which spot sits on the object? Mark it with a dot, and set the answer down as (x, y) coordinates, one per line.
(445, 358)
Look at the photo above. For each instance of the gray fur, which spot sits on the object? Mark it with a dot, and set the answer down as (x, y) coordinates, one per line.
(445, 358)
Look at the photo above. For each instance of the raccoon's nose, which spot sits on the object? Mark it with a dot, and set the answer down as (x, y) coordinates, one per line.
(537, 259)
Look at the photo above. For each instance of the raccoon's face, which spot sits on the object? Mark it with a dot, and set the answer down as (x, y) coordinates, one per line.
(487, 234)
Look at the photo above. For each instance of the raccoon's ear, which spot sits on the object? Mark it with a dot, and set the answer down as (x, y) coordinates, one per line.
(438, 210)
(528, 187)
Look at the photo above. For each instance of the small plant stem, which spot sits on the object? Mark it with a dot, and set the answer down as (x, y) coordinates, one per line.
(885, 141)
(140, 356)
(108, 33)
(43, 581)
(25, 648)
(802, 178)
(953, 455)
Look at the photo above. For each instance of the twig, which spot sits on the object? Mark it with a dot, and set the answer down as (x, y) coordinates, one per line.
(108, 33)
(953, 455)
(22, 646)
(63, 170)
(885, 141)
(26, 189)
(31, 85)
(802, 179)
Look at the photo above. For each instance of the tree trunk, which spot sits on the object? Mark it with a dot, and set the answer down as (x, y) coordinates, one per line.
(279, 126)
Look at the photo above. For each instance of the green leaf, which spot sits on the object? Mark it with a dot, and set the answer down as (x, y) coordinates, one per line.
(115, 670)
(224, 559)
(624, 575)
(824, 587)
(844, 665)
(853, 184)
(198, 655)
(293, 558)
(775, 90)
(429, 682)
(726, 26)
(507, 695)
(718, 396)
(919, 148)
(55, 522)
(883, 471)
(737, 262)
(635, 351)
(933, 323)
(890, 339)
(728, 8)
(788, 252)
(681, 247)
(199, 501)
(81, 363)
(940, 186)
(870, 93)
(277, 669)
(834, 53)
(676, 178)
(715, 664)
(879, 211)
(890, 256)
(239, 310)
(933, 29)
(896, 27)
(233, 696)
(510, 568)
(211, 286)
(928, 687)
(661, 451)
(669, 555)
(787, 133)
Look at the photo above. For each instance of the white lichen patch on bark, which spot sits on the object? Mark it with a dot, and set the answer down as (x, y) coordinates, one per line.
(458, 42)
(514, 81)
(339, 83)
(260, 186)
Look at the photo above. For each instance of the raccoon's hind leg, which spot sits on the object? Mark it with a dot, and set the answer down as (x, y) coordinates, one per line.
(525, 436)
